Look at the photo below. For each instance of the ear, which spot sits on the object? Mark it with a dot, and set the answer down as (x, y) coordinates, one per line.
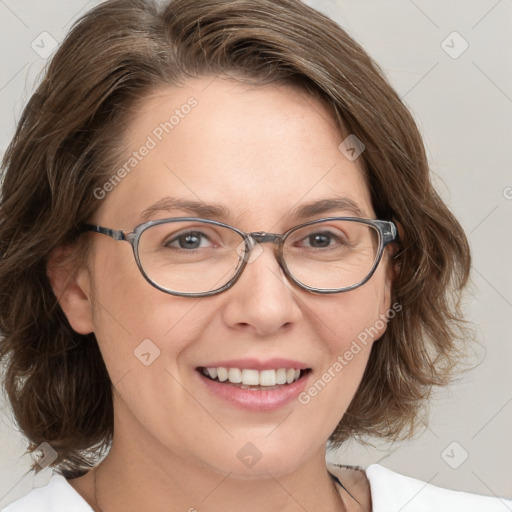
(395, 249)
(392, 266)
(392, 269)
(71, 285)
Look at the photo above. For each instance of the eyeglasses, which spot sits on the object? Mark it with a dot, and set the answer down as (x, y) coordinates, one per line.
(194, 257)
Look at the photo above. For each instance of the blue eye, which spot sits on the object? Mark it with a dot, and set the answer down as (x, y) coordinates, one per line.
(189, 240)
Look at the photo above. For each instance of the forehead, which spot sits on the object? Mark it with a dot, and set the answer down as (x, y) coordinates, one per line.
(257, 151)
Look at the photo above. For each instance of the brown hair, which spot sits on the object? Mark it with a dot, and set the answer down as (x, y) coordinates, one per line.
(70, 136)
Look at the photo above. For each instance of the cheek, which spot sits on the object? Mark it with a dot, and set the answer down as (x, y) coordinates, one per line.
(356, 315)
(144, 336)
(347, 325)
(132, 318)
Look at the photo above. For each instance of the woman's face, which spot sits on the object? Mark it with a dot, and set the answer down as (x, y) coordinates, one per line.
(260, 153)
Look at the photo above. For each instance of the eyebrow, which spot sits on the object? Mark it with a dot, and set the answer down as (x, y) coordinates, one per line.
(217, 211)
(329, 205)
(195, 208)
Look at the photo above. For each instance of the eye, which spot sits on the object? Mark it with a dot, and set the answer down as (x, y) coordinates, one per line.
(189, 240)
(322, 240)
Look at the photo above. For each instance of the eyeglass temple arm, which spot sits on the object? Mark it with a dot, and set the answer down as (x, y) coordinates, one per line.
(388, 229)
(112, 233)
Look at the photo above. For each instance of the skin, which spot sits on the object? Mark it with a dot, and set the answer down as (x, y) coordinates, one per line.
(259, 152)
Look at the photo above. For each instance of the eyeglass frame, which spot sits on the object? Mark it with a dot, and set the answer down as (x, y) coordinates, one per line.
(387, 230)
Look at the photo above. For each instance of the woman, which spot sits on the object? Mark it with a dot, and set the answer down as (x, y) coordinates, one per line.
(290, 279)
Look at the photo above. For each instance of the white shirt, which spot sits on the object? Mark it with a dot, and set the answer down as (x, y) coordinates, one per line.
(390, 492)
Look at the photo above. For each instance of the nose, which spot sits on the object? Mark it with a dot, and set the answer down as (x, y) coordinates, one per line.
(262, 300)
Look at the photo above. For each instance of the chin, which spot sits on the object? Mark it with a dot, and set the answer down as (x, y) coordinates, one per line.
(260, 458)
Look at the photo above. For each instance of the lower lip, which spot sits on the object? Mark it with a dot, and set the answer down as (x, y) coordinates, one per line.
(255, 400)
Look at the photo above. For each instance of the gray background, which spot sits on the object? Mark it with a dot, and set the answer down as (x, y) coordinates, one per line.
(463, 105)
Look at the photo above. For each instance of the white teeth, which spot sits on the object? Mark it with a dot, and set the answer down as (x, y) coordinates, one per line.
(281, 376)
(250, 377)
(268, 378)
(222, 374)
(235, 375)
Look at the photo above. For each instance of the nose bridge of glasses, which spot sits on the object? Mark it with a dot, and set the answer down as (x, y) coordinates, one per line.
(261, 237)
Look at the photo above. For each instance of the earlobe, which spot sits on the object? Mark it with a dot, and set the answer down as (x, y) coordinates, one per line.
(70, 284)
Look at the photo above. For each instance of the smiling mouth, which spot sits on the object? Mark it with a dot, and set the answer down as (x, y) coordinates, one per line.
(247, 378)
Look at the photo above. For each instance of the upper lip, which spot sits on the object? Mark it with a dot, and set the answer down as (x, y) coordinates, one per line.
(256, 364)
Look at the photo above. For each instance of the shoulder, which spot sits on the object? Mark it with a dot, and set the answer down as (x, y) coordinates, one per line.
(393, 492)
(57, 496)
